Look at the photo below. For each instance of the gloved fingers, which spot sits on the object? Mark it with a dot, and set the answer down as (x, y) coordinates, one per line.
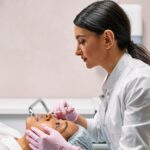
(33, 147)
(59, 110)
(70, 109)
(55, 115)
(62, 107)
(59, 115)
(47, 129)
(32, 141)
(36, 133)
(32, 135)
(56, 109)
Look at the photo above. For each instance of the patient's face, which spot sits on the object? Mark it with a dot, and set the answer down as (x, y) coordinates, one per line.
(65, 127)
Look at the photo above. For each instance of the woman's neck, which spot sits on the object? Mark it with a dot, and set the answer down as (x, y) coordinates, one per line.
(23, 143)
(113, 60)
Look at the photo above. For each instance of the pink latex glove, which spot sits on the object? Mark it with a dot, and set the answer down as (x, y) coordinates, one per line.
(53, 140)
(64, 111)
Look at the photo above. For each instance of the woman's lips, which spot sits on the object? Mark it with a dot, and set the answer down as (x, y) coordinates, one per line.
(84, 59)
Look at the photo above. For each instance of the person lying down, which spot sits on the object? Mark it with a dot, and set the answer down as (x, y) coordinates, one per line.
(11, 139)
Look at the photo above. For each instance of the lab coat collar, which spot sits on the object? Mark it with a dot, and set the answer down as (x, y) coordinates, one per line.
(115, 74)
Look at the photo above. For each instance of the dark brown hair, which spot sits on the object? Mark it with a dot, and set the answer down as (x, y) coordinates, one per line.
(102, 15)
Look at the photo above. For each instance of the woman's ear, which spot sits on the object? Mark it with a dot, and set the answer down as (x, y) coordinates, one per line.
(108, 38)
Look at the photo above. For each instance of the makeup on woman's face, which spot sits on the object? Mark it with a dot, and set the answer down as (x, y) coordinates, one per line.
(90, 47)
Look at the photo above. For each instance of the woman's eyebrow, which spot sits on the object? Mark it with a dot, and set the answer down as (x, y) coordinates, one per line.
(78, 36)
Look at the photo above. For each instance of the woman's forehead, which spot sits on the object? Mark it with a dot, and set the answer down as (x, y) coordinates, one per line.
(81, 32)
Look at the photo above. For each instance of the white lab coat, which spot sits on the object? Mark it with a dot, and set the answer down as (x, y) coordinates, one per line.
(123, 117)
(7, 138)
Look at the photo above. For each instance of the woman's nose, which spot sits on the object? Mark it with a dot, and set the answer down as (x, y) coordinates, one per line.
(78, 51)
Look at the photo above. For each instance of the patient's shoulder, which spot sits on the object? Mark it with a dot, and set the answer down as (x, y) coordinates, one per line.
(3, 147)
(8, 131)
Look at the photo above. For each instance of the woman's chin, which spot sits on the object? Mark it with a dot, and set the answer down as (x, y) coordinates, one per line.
(89, 66)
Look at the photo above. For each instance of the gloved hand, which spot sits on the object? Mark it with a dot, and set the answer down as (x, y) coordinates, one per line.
(64, 111)
(53, 140)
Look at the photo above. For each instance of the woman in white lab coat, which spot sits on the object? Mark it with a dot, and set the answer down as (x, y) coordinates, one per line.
(103, 36)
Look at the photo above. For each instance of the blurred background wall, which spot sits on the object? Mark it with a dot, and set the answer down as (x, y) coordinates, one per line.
(146, 22)
(37, 48)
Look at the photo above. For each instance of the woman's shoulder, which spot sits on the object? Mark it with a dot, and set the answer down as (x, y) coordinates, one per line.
(136, 77)
(136, 86)
(138, 69)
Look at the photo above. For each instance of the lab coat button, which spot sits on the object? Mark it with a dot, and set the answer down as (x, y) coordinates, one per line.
(102, 95)
(108, 94)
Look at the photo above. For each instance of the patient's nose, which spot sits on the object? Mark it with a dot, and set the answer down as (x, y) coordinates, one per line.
(48, 116)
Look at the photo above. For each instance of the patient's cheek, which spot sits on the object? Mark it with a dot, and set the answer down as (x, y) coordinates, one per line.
(31, 123)
(28, 125)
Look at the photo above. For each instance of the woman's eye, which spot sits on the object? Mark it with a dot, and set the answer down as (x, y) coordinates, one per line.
(81, 41)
